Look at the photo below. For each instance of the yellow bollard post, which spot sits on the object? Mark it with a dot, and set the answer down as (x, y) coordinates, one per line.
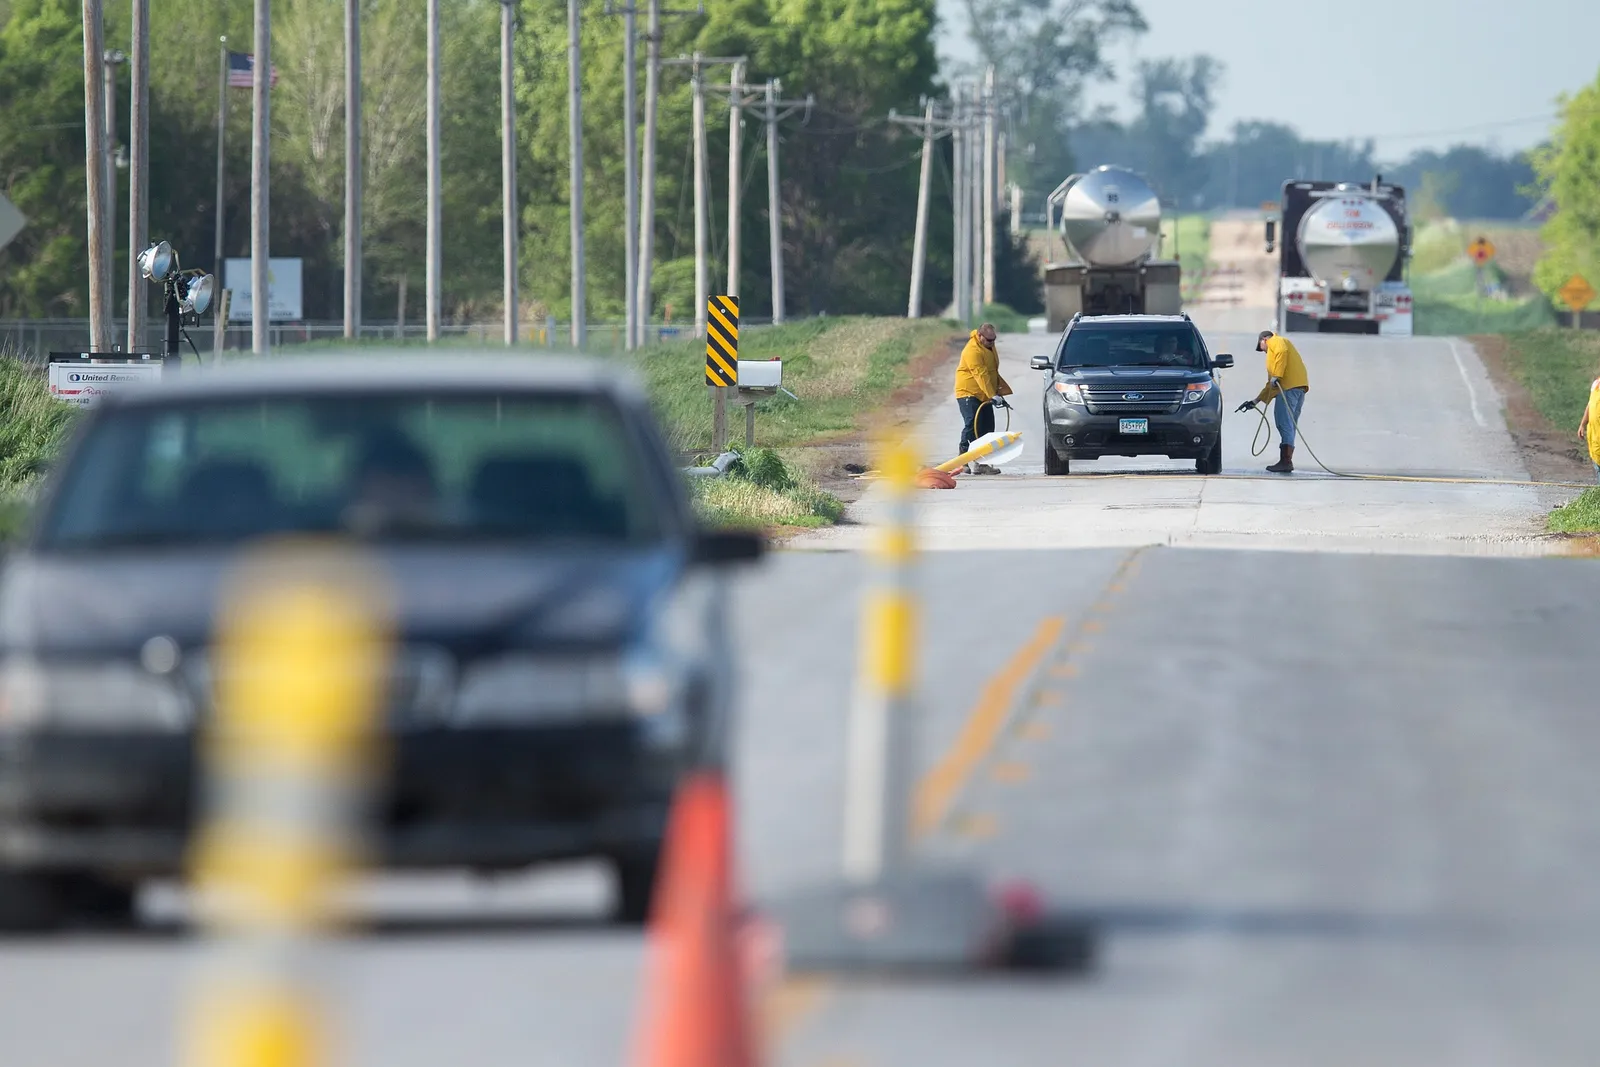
(289, 757)
(882, 749)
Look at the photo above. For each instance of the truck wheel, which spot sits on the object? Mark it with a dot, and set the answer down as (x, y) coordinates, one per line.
(636, 885)
(1055, 462)
(1211, 462)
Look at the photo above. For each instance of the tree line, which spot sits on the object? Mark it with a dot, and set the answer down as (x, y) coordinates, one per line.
(849, 176)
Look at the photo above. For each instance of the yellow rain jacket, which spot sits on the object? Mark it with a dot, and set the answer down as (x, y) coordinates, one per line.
(1594, 421)
(1283, 363)
(978, 373)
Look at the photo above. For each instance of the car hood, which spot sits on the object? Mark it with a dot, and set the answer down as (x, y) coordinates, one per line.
(473, 601)
(1132, 377)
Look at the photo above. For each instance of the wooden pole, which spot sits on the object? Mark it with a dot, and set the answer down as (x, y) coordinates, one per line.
(260, 180)
(94, 173)
(508, 166)
(352, 169)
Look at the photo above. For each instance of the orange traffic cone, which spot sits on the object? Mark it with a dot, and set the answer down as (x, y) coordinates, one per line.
(695, 1012)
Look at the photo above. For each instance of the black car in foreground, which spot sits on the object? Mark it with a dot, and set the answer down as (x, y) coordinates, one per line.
(560, 651)
(1132, 385)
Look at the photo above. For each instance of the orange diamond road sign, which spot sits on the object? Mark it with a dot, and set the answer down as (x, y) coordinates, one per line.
(1481, 251)
(1576, 293)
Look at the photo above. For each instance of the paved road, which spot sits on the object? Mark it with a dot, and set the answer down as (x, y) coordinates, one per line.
(1409, 407)
(1326, 807)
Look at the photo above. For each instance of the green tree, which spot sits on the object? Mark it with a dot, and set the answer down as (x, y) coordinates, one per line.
(41, 159)
(1568, 170)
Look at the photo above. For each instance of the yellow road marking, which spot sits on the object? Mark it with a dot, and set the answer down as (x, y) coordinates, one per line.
(1011, 773)
(975, 825)
(786, 1006)
(939, 786)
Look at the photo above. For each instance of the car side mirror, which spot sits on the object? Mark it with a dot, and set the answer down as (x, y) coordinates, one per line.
(723, 548)
(1223, 361)
(1039, 363)
(1272, 234)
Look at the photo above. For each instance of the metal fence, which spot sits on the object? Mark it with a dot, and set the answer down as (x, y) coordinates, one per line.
(34, 339)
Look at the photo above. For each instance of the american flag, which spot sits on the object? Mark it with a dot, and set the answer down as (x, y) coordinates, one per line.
(242, 70)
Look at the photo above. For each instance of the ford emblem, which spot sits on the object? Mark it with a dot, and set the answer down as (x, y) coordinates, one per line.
(1133, 396)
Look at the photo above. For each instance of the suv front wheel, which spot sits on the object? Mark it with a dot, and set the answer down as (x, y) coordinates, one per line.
(1054, 462)
(1211, 462)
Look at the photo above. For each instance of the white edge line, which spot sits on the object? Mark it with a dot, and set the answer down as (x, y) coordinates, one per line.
(1472, 394)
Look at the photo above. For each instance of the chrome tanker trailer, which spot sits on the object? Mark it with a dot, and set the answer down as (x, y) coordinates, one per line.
(1111, 223)
(1342, 258)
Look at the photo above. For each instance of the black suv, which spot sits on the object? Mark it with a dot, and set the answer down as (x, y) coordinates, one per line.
(1132, 385)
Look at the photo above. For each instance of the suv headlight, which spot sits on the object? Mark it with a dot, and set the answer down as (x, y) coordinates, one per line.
(519, 689)
(89, 696)
(1196, 392)
(1071, 392)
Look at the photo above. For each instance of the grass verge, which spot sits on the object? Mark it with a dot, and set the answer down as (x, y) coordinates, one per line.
(840, 369)
(1579, 516)
(762, 490)
(32, 425)
(1556, 367)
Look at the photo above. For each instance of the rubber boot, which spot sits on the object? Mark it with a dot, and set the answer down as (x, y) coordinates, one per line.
(1285, 464)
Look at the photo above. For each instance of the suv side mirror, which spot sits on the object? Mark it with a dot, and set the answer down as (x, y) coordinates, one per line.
(722, 548)
(1272, 234)
(1039, 363)
(1223, 361)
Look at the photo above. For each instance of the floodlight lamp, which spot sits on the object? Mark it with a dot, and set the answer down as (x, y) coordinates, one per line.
(197, 294)
(156, 262)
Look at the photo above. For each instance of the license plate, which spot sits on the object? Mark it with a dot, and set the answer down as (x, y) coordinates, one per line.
(1133, 425)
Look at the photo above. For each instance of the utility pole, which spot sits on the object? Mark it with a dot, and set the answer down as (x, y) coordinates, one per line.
(94, 174)
(113, 59)
(774, 194)
(975, 200)
(575, 174)
(702, 200)
(260, 147)
(508, 167)
(990, 184)
(774, 203)
(630, 172)
(702, 284)
(139, 167)
(352, 169)
(644, 300)
(736, 105)
(222, 127)
(643, 297)
(959, 289)
(932, 129)
(434, 219)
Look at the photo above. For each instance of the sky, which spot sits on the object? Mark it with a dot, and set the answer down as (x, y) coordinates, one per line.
(1422, 74)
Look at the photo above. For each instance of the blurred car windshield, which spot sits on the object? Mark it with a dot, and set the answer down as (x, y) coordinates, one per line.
(1133, 346)
(394, 467)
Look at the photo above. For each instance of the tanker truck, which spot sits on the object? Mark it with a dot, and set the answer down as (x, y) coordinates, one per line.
(1342, 258)
(1111, 223)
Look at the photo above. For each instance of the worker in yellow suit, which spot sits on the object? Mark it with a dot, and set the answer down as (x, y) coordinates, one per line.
(1588, 430)
(978, 381)
(1287, 384)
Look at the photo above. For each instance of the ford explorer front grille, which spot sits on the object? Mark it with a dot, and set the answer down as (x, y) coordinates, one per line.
(1132, 401)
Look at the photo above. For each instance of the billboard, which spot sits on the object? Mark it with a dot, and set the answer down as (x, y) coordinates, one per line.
(284, 293)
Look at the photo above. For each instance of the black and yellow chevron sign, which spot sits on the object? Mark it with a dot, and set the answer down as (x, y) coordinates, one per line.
(722, 341)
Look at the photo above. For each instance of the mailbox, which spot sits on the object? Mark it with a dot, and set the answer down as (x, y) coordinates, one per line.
(760, 375)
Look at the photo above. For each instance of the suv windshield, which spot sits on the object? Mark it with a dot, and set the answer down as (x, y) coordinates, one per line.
(1176, 345)
(386, 466)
